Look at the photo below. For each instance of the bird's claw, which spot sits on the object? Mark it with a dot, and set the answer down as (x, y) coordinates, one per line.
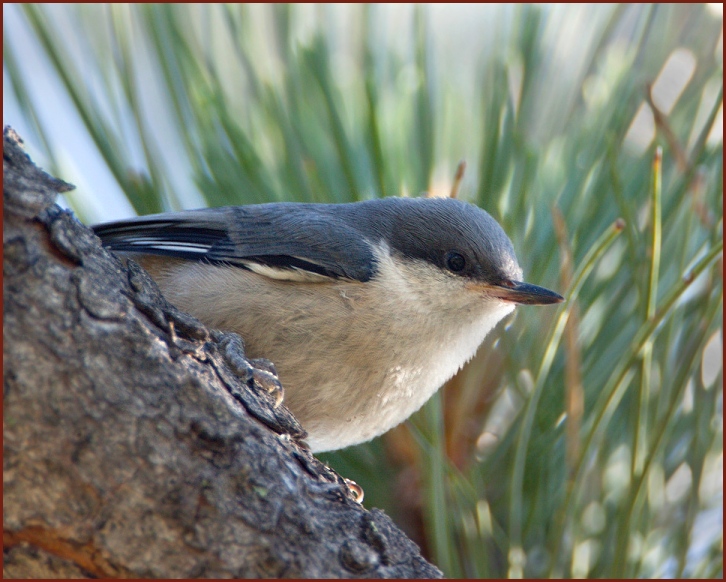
(355, 489)
(265, 377)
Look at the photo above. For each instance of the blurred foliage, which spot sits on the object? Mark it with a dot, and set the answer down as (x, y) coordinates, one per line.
(581, 441)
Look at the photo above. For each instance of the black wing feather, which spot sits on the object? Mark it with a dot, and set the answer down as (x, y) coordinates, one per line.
(308, 237)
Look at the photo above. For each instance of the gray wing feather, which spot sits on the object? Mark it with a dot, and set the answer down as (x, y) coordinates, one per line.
(308, 237)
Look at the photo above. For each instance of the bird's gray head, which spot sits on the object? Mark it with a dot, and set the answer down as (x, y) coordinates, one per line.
(459, 239)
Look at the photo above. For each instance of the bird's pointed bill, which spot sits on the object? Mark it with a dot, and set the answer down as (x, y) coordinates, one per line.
(524, 293)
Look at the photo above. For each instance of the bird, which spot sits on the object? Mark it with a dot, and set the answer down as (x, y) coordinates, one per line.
(365, 308)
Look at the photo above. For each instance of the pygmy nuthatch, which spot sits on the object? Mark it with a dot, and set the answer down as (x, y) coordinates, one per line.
(366, 309)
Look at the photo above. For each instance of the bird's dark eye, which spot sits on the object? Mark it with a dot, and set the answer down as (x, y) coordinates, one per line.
(455, 262)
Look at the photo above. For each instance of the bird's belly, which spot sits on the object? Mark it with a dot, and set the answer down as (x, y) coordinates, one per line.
(368, 413)
(352, 364)
(342, 402)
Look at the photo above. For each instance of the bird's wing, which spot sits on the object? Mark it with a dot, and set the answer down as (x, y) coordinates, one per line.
(284, 241)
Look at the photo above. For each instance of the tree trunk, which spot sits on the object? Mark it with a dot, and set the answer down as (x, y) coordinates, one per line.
(137, 443)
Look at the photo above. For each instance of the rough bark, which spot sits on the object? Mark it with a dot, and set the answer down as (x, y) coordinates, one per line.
(137, 442)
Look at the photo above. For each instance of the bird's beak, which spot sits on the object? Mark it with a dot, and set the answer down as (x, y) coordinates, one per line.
(524, 293)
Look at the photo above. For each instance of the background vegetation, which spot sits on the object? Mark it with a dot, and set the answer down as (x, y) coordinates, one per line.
(584, 440)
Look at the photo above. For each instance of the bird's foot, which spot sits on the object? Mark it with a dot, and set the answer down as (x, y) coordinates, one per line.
(355, 489)
(265, 377)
